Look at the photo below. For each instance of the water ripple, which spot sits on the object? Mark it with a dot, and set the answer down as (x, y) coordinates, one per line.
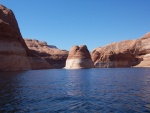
(119, 90)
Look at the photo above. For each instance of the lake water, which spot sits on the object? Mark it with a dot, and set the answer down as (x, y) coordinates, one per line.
(107, 90)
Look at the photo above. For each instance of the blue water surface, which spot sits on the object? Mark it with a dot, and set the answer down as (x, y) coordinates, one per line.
(103, 90)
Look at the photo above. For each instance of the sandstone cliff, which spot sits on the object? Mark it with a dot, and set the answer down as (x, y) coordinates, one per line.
(142, 47)
(54, 56)
(14, 53)
(79, 57)
(127, 53)
(13, 50)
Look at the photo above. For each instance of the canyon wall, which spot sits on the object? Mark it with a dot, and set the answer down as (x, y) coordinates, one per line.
(129, 53)
(13, 50)
(16, 55)
(54, 56)
(142, 53)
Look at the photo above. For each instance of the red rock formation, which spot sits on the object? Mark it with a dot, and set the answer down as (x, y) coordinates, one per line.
(51, 54)
(13, 50)
(79, 57)
(124, 54)
(14, 53)
(115, 55)
(36, 62)
(143, 50)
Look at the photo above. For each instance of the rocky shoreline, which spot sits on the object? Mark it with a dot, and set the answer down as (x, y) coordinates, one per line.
(17, 53)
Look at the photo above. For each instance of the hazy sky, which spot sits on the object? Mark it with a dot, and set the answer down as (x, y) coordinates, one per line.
(95, 23)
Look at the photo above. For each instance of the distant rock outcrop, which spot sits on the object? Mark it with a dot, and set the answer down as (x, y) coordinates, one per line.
(54, 56)
(79, 57)
(13, 50)
(127, 53)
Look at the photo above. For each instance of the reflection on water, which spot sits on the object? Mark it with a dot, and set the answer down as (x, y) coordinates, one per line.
(78, 82)
(119, 90)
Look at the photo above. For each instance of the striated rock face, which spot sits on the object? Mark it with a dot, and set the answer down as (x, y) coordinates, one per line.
(115, 55)
(143, 50)
(79, 57)
(14, 53)
(127, 53)
(55, 57)
(13, 50)
(37, 62)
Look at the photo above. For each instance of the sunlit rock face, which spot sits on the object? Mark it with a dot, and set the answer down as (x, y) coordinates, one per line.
(54, 56)
(79, 57)
(143, 50)
(13, 50)
(118, 54)
(127, 53)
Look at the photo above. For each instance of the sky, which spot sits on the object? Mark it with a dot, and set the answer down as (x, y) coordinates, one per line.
(95, 23)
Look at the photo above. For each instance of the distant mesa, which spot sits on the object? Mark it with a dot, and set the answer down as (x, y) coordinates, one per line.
(37, 42)
(52, 46)
(79, 57)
